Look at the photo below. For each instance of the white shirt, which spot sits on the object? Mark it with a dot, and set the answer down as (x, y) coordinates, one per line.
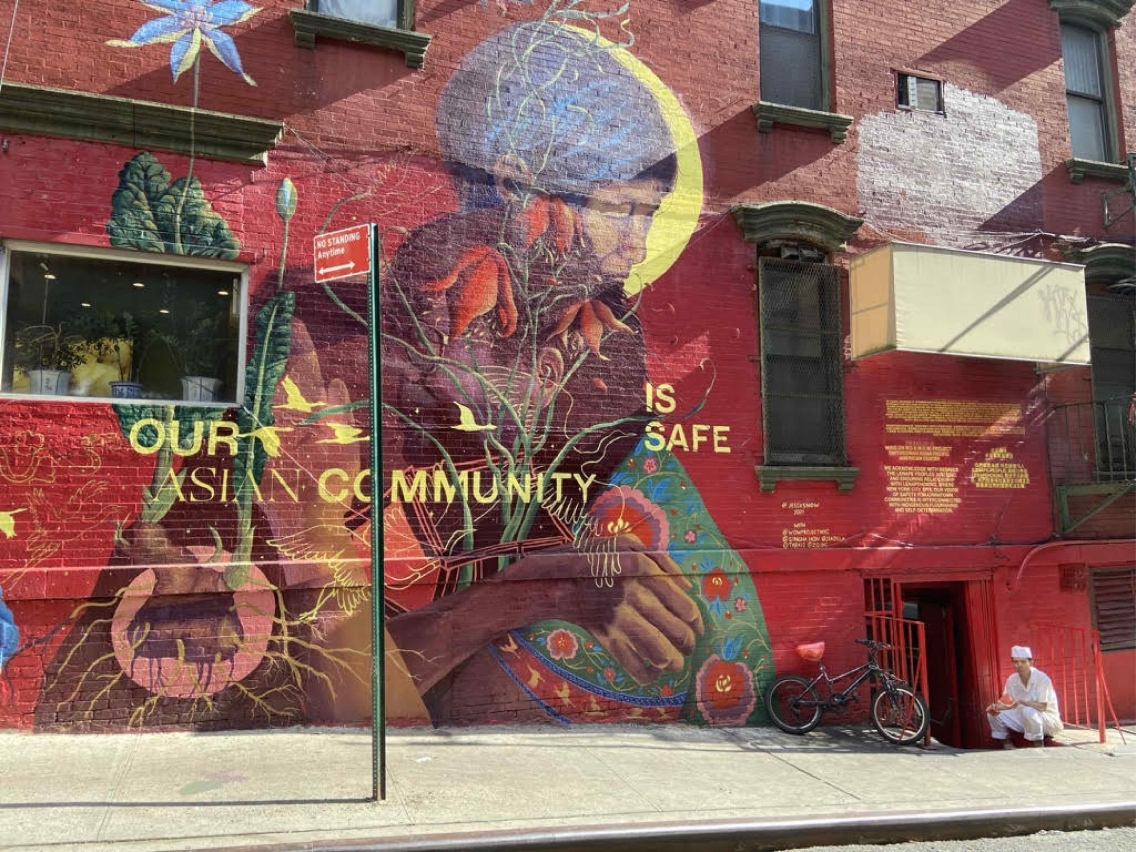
(1040, 689)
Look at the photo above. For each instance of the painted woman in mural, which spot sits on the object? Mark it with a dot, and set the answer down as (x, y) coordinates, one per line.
(545, 560)
(575, 573)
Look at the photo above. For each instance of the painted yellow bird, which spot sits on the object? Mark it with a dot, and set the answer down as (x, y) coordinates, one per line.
(269, 437)
(534, 678)
(509, 646)
(564, 693)
(8, 522)
(294, 399)
(466, 422)
(344, 434)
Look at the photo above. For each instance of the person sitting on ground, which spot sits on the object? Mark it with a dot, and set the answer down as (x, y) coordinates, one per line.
(1028, 705)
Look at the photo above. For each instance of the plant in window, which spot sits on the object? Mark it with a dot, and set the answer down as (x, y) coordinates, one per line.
(47, 347)
(47, 353)
(191, 343)
(123, 340)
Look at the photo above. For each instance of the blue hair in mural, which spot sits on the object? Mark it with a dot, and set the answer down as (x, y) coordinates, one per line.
(555, 111)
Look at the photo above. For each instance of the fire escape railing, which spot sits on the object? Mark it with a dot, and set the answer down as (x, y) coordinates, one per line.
(1092, 451)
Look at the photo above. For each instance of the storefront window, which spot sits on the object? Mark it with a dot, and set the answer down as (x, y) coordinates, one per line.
(110, 325)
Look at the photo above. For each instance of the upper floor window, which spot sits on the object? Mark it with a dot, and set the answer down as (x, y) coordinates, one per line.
(802, 344)
(802, 357)
(1085, 52)
(383, 13)
(792, 66)
(383, 23)
(919, 93)
(107, 324)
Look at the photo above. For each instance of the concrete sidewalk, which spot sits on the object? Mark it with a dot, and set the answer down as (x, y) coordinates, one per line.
(187, 791)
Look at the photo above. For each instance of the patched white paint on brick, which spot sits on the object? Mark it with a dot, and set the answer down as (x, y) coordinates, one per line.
(977, 167)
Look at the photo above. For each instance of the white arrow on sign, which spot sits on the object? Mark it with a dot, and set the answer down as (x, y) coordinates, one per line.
(328, 269)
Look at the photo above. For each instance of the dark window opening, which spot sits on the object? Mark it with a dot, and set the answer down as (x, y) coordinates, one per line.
(801, 362)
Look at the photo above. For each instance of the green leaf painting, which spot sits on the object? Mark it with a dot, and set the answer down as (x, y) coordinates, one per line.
(258, 436)
(264, 371)
(149, 213)
(203, 233)
(133, 223)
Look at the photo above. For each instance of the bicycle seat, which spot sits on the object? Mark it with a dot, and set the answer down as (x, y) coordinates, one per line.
(812, 651)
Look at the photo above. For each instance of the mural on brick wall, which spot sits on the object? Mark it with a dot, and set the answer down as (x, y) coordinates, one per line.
(548, 557)
(183, 616)
(183, 625)
(575, 573)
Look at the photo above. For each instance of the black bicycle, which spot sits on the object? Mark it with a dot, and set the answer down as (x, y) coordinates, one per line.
(795, 704)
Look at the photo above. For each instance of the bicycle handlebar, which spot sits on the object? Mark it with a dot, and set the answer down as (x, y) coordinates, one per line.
(873, 645)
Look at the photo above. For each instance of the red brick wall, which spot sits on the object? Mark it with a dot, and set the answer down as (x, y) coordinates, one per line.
(357, 119)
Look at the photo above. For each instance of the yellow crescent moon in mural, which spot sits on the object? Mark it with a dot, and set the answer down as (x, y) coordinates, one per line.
(677, 216)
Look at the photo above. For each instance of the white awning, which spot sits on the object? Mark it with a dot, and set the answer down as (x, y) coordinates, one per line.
(918, 298)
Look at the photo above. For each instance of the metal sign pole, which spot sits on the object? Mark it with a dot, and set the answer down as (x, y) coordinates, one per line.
(378, 603)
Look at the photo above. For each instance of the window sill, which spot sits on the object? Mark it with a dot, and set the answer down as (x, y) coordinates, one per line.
(770, 114)
(136, 124)
(309, 25)
(769, 475)
(1080, 169)
(1094, 13)
(70, 399)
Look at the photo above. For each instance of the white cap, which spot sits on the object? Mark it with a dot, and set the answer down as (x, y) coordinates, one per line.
(1021, 652)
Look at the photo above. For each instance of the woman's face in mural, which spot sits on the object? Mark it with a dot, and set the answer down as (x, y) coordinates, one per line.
(482, 367)
(615, 221)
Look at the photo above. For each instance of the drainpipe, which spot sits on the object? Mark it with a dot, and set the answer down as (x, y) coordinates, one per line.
(1013, 584)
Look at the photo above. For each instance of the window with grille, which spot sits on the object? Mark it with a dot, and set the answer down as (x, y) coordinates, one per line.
(919, 93)
(383, 13)
(1084, 52)
(790, 47)
(802, 379)
(1114, 607)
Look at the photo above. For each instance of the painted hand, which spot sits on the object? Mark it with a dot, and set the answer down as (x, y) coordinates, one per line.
(646, 619)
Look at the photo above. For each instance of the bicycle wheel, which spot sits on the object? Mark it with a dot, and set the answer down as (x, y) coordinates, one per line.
(793, 705)
(899, 715)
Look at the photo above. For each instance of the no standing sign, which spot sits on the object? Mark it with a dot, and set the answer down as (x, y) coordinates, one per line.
(341, 253)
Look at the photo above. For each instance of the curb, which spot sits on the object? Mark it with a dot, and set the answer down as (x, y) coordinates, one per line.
(750, 836)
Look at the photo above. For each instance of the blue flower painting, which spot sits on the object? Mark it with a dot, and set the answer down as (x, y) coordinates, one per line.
(190, 23)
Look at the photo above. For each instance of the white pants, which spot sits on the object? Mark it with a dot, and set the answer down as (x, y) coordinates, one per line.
(1025, 720)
